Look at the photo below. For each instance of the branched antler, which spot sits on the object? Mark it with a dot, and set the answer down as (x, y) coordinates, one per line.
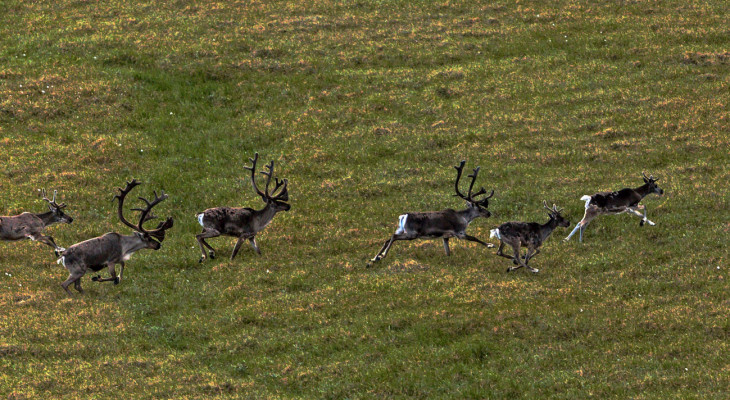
(145, 213)
(471, 197)
(280, 185)
(52, 203)
(553, 210)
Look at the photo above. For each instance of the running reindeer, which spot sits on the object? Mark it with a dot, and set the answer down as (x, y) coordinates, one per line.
(617, 203)
(529, 234)
(30, 225)
(443, 224)
(113, 248)
(244, 223)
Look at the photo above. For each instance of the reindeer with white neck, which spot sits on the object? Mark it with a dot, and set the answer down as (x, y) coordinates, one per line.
(30, 225)
(443, 224)
(624, 200)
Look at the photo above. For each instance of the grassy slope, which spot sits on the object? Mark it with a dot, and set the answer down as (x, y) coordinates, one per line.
(365, 107)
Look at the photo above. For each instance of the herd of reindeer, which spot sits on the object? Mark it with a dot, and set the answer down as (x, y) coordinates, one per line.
(244, 223)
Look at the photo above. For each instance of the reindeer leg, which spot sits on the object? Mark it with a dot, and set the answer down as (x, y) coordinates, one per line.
(635, 210)
(73, 277)
(446, 246)
(237, 246)
(207, 233)
(529, 256)
(253, 243)
(47, 240)
(112, 273)
(384, 251)
(517, 259)
(500, 253)
(77, 285)
(121, 271)
(377, 256)
(474, 239)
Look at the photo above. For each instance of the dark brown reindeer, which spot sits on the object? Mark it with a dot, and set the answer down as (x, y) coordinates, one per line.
(30, 225)
(529, 234)
(244, 223)
(617, 203)
(442, 224)
(113, 248)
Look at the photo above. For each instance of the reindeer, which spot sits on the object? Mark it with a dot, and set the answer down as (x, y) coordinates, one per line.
(443, 224)
(624, 200)
(113, 248)
(244, 223)
(30, 226)
(530, 234)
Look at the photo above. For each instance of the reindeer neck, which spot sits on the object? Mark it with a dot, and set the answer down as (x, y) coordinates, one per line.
(642, 190)
(469, 214)
(547, 228)
(46, 217)
(264, 216)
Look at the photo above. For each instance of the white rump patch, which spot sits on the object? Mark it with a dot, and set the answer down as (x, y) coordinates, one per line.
(494, 233)
(61, 260)
(200, 219)
(587, 199)
(401, 224)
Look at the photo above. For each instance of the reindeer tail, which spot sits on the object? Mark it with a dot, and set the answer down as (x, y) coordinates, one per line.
(494, 233)
(200, 219)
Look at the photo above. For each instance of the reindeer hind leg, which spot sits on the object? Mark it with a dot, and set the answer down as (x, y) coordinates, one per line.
(207, 233)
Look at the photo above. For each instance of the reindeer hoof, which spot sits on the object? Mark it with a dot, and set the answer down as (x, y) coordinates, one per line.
(96, 278)
(116, 280)
(641, 223)
(201, 260)
(211, 255)
(509, 269)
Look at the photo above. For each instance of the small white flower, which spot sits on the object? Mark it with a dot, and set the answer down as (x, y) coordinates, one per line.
(170, 112)
(581, 310)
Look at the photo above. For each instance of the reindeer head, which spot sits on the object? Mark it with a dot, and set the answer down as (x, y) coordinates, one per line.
(651, 181)
(276, 200)
(471, 198)
(151, 238)
(554, 214)
(56, 209)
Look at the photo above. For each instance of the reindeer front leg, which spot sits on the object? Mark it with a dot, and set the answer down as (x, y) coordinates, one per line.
(112, 274)
(237, 247)
(47, 240)
(446, 246)
(635, 211)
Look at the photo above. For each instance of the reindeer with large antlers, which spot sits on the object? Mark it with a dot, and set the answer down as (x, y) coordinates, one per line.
(244, 223)
(30, 225)
(443, 224)
(624, 200)
(113, 248)
(529, 234)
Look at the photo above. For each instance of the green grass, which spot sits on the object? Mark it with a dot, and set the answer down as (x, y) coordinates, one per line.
(365, 107)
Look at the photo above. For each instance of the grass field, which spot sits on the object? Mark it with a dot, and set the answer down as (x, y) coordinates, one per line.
(366, 107)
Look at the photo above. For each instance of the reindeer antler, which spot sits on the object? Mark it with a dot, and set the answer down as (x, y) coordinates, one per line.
(649, 178)
(146, 214)
(280, 185)
(470, 196)
(121, 196)
(52, 203)
(553, 210)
